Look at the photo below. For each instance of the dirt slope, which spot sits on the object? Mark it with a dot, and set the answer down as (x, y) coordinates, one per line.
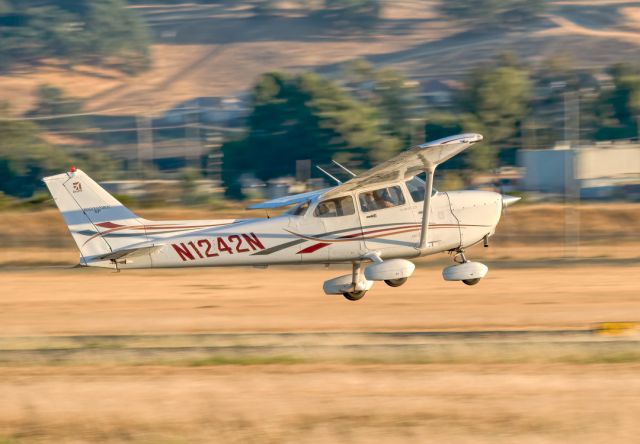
(220, 49)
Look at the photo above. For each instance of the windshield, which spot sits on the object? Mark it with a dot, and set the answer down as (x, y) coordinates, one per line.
(416, 189)
(299, 210)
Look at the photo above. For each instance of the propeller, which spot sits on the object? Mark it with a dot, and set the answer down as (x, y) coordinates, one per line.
(508, 201)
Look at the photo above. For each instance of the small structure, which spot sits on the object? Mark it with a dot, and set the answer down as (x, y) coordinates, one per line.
(438, 92)
(222, 111)
(600, 171)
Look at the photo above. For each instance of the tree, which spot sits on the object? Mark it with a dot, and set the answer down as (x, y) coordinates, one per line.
(499, 98)
(481, 157)
(304, 117)
(78, 31)
(494, 102)
(619, 108)
(5, 7)
(390, 92)
(492, 12)
(24, 157)
(359, 13)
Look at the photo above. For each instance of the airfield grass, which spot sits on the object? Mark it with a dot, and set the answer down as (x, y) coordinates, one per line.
(453, 392)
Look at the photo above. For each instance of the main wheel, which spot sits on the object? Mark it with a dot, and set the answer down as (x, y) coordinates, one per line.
(355, 295)
(395, 282)
(471, 281)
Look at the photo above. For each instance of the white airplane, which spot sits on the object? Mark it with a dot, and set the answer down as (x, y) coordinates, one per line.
(376, 221)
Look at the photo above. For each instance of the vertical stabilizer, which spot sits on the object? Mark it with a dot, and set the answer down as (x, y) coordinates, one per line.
(98, 223)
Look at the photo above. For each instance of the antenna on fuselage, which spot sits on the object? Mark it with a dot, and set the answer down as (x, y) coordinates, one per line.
(344, 168)
(338, 181)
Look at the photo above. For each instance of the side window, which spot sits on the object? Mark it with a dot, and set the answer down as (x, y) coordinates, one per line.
(382, 198)
(341, 206)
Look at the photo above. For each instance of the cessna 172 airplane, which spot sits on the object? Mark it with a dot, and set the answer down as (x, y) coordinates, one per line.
(375, 221)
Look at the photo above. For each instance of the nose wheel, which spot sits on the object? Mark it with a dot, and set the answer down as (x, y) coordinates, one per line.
(464, 270)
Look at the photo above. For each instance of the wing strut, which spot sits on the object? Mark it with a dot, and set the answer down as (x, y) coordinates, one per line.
(426, 206)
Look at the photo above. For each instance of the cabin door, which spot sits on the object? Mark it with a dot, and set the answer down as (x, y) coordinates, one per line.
(388, 220)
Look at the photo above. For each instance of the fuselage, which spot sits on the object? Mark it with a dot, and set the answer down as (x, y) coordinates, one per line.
(385, 220)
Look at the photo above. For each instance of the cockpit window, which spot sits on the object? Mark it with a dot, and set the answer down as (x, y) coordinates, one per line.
(416, 189)
(382, 198)
(300, 210)
(340, 206)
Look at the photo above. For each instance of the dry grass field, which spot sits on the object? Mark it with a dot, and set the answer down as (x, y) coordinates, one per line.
(466, 403)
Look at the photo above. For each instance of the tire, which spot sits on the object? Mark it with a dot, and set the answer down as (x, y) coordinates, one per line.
(395, 282)
(471, 281)
(355, 295)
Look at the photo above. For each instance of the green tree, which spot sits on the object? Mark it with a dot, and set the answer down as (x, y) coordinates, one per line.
(24, 157)
(52, 101)
(5, 7)
(492, 12)
(360, 13)
(304, 117)
(79, 31)
(499, 98)
(619, 107)
(494, 102)
(481, 157)
(391, 93)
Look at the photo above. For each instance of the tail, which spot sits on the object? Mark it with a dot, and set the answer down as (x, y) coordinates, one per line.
(98, 223)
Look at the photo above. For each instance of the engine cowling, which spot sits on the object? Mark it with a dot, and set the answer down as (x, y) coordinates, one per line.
(389, 270)
(466, 271)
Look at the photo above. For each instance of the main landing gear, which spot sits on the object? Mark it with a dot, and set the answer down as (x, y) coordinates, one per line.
(359, 283)
(354, 295)
(355, 285)
(466, 271)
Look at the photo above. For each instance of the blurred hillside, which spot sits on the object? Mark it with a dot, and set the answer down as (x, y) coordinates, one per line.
(219, 48)
(209, 89)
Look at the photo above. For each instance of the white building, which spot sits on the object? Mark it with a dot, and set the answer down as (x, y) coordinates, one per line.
(602, 170)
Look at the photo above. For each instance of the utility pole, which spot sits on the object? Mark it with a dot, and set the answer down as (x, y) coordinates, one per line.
(192, 134)
(144, 131)
(213, 144)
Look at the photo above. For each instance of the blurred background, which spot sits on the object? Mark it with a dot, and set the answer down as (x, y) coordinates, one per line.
(194, 109)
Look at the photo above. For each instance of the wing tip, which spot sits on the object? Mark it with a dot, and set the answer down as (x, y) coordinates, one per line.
(458, 138)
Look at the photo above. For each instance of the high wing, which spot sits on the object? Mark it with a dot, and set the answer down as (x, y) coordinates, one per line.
(422, 158)
(410, 163)
(289, 200)
(403, 166)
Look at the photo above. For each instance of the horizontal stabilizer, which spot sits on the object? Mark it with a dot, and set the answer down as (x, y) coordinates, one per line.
(129, 253)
